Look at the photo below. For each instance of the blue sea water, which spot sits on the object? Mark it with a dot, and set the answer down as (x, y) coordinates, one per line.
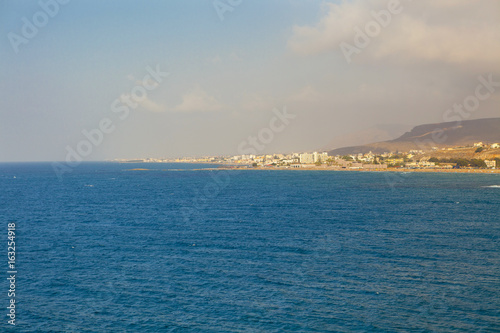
(174, 249)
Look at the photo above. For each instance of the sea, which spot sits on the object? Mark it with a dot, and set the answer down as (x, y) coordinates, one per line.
(157, 247)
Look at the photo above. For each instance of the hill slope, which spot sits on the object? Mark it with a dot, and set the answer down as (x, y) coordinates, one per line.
(424, 137)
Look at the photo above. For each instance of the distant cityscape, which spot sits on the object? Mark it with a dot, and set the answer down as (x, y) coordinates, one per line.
(460, 157)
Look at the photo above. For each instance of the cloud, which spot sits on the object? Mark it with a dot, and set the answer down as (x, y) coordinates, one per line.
(149, 82)
(145, 104)
(333, 28)
(152, 106)
(450, 31)
(256, 102)
(198, 100)
(307, 94)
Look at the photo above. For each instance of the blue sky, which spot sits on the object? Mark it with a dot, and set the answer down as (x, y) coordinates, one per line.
(226, 77)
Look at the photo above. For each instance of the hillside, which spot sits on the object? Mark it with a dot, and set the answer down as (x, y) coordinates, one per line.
(424, 137)
(465, 153)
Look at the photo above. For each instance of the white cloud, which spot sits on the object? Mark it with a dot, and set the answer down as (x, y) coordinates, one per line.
(451, 31)
(333, 28)
(198, 100)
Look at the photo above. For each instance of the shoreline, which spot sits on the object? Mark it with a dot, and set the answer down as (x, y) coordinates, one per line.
(487, 171)
(232, 167)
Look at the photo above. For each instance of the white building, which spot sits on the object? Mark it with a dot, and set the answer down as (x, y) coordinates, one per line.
(320, 157)
(306, 158)
(491, 164)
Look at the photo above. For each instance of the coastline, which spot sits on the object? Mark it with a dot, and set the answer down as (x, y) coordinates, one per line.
(236, 167)
(487, 171)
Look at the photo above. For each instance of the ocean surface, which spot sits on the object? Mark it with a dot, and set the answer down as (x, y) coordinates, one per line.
(173, 249)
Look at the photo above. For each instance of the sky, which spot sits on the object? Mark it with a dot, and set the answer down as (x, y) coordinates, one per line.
(168, 79)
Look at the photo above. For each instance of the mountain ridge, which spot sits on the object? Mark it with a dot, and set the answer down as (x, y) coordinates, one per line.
(426, 136)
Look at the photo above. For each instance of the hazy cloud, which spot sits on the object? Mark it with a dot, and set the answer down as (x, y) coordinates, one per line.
(252, 102)
(152, 106)
(456, 32)
(307, 94)
(198, 100)
(146, 104)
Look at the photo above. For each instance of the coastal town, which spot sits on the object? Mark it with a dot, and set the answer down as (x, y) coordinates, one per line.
(479, 156)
